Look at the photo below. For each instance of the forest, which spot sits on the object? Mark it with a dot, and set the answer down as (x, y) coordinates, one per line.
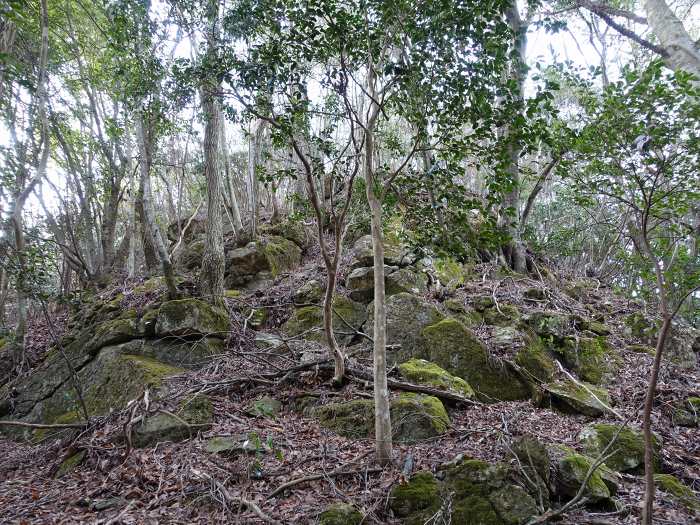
(346, 262)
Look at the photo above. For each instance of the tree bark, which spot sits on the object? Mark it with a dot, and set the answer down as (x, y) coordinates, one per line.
(212, 276)
(682, 52)
(382, 415)
(149, 222)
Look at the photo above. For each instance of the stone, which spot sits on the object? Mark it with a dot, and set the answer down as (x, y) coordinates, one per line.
(571, 470)
(535, 294)
(363, 254)
(450, 273)
(70, 464)
(687, 412)
(282, 254)
(572, 397)
(265, 407)
(535, 360)
(455, 348)
(590, 357)
(111, 333)
(360, 283)
(627, 451)
(271, 253)
(552, 326)
(672, 486)
(406, 317)
(534, 455)
(308, 321)
(641, 327)
(292, 230)
(340, 514)
(501, 315)
(311, 292)
(191, 317)
(418, 499)
(193, 416)
(174, 351)
(231, 445)
(406, 280)
(422, 372)
(267, 341)
(190, 257)
(255, 317)
(414, 417)
(683, 346)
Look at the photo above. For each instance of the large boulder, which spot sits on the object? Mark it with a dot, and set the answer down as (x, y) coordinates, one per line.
(472, 492)
(627, 451)
(191, 317)
(590, 357)
(571, 397)
(455, 348)
(185, 354)
(270, 254)
(414, 417)
(571, 471)
(535, 360)
(311, 292)
(192, 416)
(552, 326)
(422, 372)
(363, 254)
(406, 317)
(292, 230)
(307, 321)
(683, 346)
(360, 282)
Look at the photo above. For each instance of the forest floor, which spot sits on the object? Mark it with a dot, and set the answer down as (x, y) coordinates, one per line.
(183, 483)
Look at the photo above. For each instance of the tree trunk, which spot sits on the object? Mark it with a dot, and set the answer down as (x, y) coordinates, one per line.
(212, 277)
(683, 52)
(149, 222)
(257, 130)
(382, 415)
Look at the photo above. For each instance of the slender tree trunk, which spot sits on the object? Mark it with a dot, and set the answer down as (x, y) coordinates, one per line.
(149, 222)
(212, 276)
(257, 130)
(232, 197)
(382, 414)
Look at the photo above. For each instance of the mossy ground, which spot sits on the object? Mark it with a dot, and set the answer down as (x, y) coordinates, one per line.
(673, 486)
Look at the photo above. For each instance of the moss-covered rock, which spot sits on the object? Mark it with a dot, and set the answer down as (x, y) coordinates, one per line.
(311, 292)
(340, 514)
(70, 464)
(266, 406)
(590, 357)
(501, 315)
(483, 494)
(108, 383)
(255, 317)
(193, 415)
(672, 486)
(418, 499)
(571, 469)
(282, 254)
(641, 327)
(535, 360)
(627, 451)
(406, 280)
(406, 317)
(308, 320)
(456, 309)
(112, 333)
(642, 349)
(552, 326)
(451, 274)
(191, 317)
(360, 283)
(424, 372)
(290, 229)
(453, 347)
(572, 397)
(363, 254)
(174, 351)
(533, 454)
(683, 346)
(687, 412)
(414, 417)
(190, 257)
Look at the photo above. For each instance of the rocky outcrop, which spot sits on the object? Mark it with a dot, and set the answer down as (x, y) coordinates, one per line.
(414, 417)
(627, 449)
(268, 256)
(406, 317)
(470, 492)
(453, 347)
(307, 321)
(424, 372)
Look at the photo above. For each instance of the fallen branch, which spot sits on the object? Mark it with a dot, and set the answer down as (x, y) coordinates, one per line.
(78, 424)
(340, 471)
(232, 500)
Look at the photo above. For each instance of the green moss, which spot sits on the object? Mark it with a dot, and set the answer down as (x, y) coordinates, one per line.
(191, 317)
(687, 413)
(570, 397)
(193, 415)
(340, 514)
(112, 333)
(232, 294)
(308, 320)
(457, 350)
(639, 326)
(642, 349)
(503, 315)
(684, 495)
(424, 372)
(419, 494)
(628, 450)
(588, 357)
(572, 470)
(265, 406)
(70, 464)
(533, 454)
(352, 419)
(416, 416)
(451, 273)
(282, 254)
(535, 359)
